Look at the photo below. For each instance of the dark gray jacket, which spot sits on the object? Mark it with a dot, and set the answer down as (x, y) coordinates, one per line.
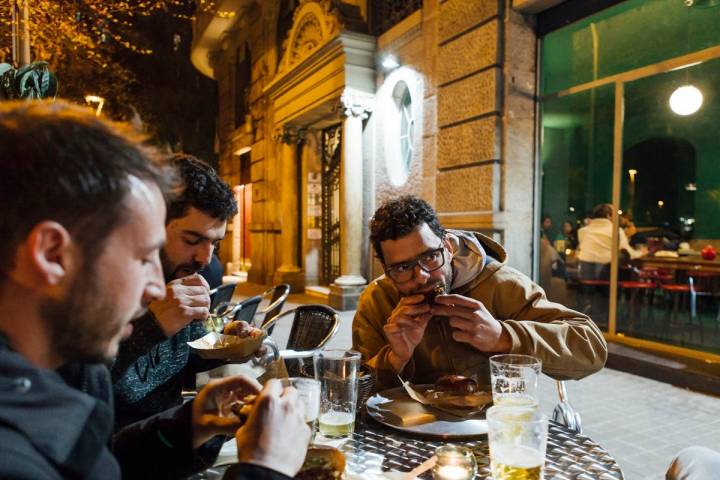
(58, 425)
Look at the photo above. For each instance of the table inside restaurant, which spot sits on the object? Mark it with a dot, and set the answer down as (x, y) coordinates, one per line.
(375, 451)
(686, 262)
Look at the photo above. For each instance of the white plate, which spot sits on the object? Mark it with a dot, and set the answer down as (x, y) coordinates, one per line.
(397, 410)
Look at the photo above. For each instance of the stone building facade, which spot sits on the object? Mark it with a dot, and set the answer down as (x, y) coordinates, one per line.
(328, 108)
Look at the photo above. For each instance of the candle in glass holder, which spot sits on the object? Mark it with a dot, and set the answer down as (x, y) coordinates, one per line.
(454, 463)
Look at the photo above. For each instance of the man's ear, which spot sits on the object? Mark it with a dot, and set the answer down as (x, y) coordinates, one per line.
(50, 252)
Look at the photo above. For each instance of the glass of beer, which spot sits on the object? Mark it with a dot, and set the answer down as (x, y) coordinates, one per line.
(518, 439)
(514, 380)
(337, 371)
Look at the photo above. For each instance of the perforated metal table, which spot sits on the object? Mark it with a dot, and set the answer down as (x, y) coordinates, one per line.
(375, 447)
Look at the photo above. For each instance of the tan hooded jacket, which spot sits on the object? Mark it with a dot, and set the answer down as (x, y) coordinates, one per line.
(568, 343)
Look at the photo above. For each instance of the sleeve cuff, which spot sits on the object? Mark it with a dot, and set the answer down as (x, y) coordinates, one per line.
(515, 344)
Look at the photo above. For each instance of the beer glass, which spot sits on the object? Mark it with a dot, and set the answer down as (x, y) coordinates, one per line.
(518, 439)
(337, 371)
(514, 380)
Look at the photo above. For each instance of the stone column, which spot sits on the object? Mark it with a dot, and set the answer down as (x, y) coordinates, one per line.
(346, 289)
(289, 270)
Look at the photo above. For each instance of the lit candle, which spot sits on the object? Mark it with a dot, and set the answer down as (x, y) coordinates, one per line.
(454, 463)
(452, 472)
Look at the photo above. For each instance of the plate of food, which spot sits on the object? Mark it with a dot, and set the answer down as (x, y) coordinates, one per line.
(237, 340)
(451, 408)
(322, 462)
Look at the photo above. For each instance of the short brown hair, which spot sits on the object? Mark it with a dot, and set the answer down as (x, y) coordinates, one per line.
(60, 162)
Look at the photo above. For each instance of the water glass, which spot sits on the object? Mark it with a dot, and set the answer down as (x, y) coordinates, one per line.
(308, 392)
(518, 440)
(514, 379)
(454, 463)
(337, 371)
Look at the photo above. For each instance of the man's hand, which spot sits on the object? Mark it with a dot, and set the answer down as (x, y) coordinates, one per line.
(405, 328)
(472, 323)
(207, 420)
(186, 299)
(275, 435)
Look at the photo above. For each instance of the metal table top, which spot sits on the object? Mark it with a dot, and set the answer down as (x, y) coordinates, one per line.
(374, 447)
(569, 455)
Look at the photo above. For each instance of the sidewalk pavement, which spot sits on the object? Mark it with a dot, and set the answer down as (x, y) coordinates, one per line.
(643, 423)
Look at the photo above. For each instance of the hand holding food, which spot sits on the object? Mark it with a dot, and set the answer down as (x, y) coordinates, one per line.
(209, 416)
(275, 434)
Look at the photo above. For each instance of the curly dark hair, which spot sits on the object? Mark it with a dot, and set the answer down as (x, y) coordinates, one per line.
(398, 217)
(202, 189)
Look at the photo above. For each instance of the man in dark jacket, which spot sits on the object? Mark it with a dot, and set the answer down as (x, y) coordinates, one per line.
(80, 235)
(155, 363)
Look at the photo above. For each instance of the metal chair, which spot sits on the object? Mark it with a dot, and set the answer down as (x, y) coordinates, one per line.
(223, 293)
(277, 296)
(246, 309)
(564, 413)
(312, 327)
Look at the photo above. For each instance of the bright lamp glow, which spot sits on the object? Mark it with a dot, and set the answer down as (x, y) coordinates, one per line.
(686, 100)
(390, 62)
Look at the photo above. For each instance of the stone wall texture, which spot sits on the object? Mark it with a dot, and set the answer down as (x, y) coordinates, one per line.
(466, 189)
(469, 53)
(457, 16)
(469, 143)
(468, 98)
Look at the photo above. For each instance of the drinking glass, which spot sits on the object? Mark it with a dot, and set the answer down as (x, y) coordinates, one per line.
(514, 379)
(219, 316)
(518, 439)
(454, 463)
(337, 371)
(308, 391)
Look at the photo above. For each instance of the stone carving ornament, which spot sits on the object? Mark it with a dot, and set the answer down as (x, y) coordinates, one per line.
(315, 22)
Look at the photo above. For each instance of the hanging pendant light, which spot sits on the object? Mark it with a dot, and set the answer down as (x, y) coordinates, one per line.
(686, 100)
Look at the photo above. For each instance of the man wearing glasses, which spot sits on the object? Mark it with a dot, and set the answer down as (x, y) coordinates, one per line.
(401, 328)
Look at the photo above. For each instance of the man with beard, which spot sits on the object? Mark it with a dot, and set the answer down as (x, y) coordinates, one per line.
(488, 307)
(80, 235)
(155, 362)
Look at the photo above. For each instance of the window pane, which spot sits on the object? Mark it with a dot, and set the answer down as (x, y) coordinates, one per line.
(629, 35)
(576, 168)
(673, 199)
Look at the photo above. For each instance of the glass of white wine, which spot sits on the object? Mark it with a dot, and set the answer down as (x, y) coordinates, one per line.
(514, 380)
(518, 439)
(337, 371)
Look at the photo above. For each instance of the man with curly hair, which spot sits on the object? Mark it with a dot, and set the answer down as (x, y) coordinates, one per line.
(402, 328)
(155, 362)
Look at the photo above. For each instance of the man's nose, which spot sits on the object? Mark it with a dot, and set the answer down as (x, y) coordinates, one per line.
(155, 289)
(203, 254)
(421, 276)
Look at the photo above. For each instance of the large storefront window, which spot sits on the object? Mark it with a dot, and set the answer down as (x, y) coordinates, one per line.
(630, 179)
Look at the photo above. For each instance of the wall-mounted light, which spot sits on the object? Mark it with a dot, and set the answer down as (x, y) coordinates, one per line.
(661, 204)
(686, 100)
(390, 62)
(242, 151)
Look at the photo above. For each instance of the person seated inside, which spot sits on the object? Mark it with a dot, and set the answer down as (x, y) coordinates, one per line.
(402, 328)
(80, 238)
(595, 245)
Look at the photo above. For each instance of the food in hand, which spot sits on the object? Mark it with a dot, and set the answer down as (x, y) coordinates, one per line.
(456, 384)
(242, 408)
(241, 329)
(430, 296)
(322, 463)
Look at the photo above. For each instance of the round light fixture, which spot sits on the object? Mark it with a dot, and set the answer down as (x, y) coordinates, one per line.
(686, 100)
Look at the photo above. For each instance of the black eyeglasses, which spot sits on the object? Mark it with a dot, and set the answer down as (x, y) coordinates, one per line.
(428, 261)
